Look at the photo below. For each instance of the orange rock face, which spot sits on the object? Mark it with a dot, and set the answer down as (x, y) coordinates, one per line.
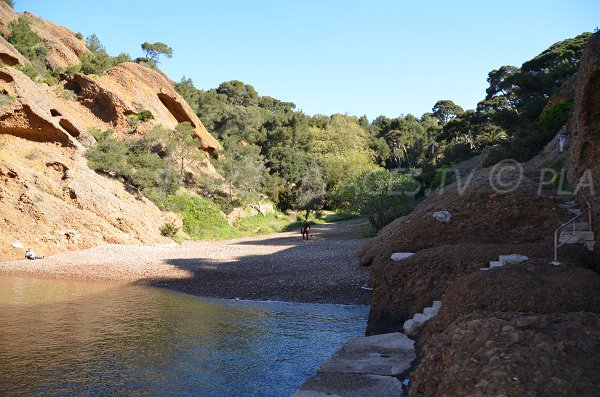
(129, 88)
(64, 48)
(49, 198)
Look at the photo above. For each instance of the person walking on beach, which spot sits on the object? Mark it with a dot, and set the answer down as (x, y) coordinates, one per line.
(29, 254)
(305, 230)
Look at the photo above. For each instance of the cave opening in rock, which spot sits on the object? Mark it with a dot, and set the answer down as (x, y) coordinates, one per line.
(175, 108)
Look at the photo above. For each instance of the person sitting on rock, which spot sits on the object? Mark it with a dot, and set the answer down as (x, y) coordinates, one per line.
(29, 254)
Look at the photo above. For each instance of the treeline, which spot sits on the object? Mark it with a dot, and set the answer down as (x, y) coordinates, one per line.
(301, 161)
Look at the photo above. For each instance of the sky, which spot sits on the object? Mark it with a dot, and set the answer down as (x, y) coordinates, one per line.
(370, 57)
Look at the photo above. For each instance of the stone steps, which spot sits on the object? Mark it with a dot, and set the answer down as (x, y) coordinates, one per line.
(573, 237)
(367, 366)
(505, 260)
(411, 327)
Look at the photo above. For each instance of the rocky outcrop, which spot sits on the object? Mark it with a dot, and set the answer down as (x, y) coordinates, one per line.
(51, 200)
(9, 56)
(584, 129)
(401, 289)
(35, 113)
(482, 212)
(64, 47)
(511, 354)
(129, 89)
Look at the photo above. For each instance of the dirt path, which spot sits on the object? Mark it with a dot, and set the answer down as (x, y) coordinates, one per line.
(275, 267)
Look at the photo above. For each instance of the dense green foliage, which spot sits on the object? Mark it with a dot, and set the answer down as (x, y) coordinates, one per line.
(307, 162)
(383, 195)
(201, 217)
(139, 163)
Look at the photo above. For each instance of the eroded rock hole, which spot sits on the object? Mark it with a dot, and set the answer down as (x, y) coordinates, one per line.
(175, 108)
(7, 78)
(70, 128)
(55, 113)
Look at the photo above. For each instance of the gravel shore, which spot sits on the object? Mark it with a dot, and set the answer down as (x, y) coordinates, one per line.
(279, 267)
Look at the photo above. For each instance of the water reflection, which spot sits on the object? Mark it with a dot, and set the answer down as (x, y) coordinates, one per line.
(64, 338)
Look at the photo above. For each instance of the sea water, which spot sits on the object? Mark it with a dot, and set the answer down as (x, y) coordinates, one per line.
(60, 338)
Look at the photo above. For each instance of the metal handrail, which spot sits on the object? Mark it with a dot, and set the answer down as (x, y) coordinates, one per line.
(571, 221)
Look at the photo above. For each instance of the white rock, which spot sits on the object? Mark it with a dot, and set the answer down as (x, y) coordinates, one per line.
(17, 244)
(430, 311)
(496, 264)
(513, 258)
(398, 256)
(437, 305)
(421, 318)
(442, 216)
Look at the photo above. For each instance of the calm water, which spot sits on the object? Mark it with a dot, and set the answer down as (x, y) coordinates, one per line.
(82, 339)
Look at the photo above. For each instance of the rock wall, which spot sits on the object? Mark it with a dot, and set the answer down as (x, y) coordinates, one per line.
(480, 214)
(51, 201)
(64, 48)
(584, 129)
(49, 198)
(129, 88)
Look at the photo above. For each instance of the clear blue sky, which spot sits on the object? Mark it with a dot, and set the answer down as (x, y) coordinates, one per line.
(334, 56)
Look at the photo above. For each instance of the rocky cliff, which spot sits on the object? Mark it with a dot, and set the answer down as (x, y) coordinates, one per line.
(527, 328)
(49, 198)
(584, 131)
(64, 47)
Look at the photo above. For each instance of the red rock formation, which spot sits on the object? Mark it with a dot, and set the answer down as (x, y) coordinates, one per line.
(129, 88)
(33, 113)
(9, 56)
(64, 48)
(584, 129)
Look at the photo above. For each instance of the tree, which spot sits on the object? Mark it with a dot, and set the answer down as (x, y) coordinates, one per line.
(238, 93)
(182, 146)
(311, 193)
(155, 50)
(97, 60)
(445, 110)
(242, 167)
(24, 39)
(381, 194)
(11, 3)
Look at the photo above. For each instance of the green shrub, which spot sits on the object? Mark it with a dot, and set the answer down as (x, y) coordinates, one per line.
(168, 230)
(556, 116)
(201, 217)
(133, 161)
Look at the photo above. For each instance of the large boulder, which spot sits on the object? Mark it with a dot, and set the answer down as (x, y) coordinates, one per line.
(511, 354)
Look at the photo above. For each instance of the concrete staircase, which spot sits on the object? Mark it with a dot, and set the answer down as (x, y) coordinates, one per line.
(505, 260)
(412, 326)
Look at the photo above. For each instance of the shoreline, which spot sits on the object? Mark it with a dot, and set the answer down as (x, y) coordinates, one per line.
(280, 267)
